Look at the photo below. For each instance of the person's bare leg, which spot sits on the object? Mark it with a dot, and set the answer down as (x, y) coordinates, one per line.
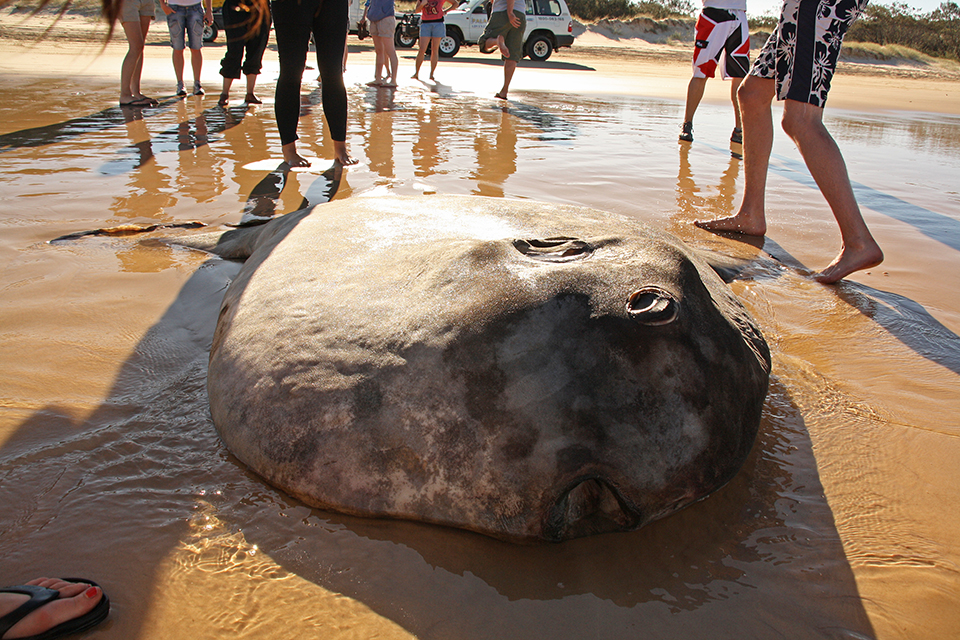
(509, 66)
(132, 62)
(421, 54)
(804, 124)
(434, 56)
(694, 96)
(379, 62)
(178, 64)
(754, 98)
(76, 599)
(196, 62)
(391, 53)
(225, 92)
(251, 97)
(734, 88)
(292, 158)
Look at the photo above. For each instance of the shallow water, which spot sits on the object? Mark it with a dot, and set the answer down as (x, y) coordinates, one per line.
(843, 523)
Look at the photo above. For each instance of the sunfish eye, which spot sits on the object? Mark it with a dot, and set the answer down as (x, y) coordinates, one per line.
(652, 306)
(561, 249)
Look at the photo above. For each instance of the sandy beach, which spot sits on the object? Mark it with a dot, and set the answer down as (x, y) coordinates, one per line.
(842, 524)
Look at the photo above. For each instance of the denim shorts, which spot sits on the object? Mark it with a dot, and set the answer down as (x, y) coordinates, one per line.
(189, 19)
(433, 29)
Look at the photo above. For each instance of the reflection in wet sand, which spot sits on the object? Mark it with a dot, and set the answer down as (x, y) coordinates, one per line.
(839, 525)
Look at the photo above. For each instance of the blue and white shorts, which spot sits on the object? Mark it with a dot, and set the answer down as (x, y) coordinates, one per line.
(801, 54)
(187, 20)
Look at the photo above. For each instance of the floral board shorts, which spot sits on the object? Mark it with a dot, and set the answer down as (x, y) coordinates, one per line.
(801, 53)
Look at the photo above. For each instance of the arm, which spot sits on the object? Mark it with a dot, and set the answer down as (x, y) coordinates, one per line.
(511, 16)
(208, 13)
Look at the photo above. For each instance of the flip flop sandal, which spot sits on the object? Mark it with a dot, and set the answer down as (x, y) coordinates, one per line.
(139, 102)
(40, 596)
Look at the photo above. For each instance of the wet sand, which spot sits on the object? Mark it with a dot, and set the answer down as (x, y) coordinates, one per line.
(842, 524)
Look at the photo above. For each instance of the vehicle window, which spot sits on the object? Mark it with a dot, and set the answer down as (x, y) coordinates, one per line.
(481, 8)
(529, 8)
(548, 7)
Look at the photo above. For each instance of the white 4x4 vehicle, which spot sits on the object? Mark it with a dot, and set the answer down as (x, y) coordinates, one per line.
(549, 27)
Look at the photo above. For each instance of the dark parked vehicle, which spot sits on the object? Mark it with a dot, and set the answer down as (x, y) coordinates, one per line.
(211, 31)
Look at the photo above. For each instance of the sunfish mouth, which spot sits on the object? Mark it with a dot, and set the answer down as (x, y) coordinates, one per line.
(590, 505)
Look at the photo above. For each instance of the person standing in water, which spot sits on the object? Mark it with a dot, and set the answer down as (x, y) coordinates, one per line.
(185, 19)
(294, 22)
(504, 32)
(381, 15)
(135, 17)
(721, 30)
(432, 30)
(248, 29)
(796, 65)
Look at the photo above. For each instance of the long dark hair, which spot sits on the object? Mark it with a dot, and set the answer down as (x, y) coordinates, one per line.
(259, 10)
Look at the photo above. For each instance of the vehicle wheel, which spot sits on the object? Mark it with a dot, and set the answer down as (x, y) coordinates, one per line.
(539, 48)
(403, 40)
(450, 45)
(210, 32)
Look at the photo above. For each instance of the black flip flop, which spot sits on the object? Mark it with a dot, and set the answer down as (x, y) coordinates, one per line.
(40, 596)
(139, 102)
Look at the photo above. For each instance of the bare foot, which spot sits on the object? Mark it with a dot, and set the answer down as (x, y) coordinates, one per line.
(224, 99)
(502, 44)
(76, 599)
(375, 83)
(292, 158)
(416, 76)
(848, 261)
(389, 83)
(341, 155)
(739, 223)
(502, 95)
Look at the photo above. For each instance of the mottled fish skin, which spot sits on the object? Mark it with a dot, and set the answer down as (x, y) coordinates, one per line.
(526, 370)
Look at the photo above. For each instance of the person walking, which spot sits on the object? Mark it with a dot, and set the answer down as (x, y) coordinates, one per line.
(504, 33)
(248, 28)
(432, 30)
(721, 30)
(796, 66)
(186, 19)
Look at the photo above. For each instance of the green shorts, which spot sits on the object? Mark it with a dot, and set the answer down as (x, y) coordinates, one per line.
(499, 25)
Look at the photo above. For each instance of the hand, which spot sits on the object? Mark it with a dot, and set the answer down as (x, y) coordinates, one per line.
(208, 17)
(514, 20)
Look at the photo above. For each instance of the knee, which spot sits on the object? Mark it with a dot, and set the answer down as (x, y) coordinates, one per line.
(753, 97)
(798, 124)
